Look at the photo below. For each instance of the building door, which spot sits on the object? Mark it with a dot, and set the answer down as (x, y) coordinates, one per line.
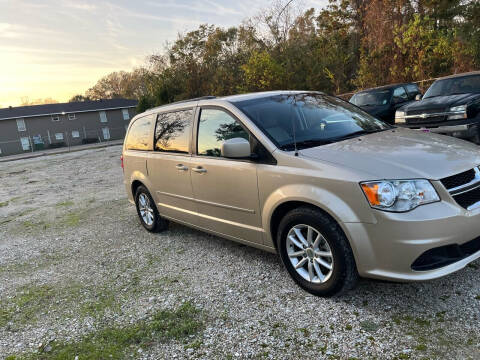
(106, 133)
(25, 143)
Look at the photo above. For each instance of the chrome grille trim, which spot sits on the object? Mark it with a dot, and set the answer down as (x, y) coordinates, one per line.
(467, 187)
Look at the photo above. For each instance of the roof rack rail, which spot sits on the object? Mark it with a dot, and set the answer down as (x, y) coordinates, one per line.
(194, 99)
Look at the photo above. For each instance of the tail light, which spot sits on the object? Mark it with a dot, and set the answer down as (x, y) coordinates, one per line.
(121, 160)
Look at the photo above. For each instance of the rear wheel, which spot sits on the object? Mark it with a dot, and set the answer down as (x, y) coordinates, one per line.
(147, 211)
(316, 252)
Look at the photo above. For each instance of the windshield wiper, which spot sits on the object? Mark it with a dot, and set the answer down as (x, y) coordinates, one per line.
(357, 133)
(306, 144)
(318, 142)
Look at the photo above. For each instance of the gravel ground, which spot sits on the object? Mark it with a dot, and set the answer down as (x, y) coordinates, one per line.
(74, 259)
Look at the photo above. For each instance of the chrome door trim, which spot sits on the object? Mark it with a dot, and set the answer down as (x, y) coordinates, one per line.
(254, 228)
(249, 211)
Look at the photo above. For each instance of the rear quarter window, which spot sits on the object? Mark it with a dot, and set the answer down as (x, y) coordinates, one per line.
(140, 134)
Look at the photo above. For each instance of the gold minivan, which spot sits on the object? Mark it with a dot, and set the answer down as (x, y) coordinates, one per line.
(336, 192)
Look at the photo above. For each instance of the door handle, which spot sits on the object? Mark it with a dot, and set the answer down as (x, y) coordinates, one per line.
(181, 167)
(199, 169)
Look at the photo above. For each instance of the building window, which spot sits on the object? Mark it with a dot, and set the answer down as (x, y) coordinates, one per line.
(75, 134)
(106, 133)
(71, 117)
(21, 125)
(126, 115)
(103, 116)
(58, 136)
(25, 143)
(55, 118)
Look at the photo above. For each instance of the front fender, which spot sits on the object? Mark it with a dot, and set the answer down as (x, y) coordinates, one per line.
(353, 211)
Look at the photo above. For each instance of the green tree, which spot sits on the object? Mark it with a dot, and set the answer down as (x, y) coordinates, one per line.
(262, 72)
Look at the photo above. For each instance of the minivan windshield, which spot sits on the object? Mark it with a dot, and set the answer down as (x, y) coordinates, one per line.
(308, 119)
(457, 85)
(377, 97)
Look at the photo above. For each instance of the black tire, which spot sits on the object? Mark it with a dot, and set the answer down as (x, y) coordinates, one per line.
(158, 224)
(344, 275)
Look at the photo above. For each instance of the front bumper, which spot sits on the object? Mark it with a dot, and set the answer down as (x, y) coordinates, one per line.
(465, 129)
(388, 249)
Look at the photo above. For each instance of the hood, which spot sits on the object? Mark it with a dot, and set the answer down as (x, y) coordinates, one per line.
(440, 103)
(401, 154)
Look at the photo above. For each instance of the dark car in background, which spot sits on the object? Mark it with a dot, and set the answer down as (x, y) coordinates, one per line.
(451, 106)
(382, 102)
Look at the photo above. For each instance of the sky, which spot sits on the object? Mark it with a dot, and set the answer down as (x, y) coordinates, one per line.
(60, 48)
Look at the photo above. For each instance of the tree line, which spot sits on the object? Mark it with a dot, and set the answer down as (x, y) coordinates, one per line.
(348, 45)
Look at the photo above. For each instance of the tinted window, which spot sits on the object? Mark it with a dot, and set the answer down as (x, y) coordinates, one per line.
(378, 97)
(172, 132)
(216, 126)
(457, 85)
(400, 93)
(308, 119)
(413, 89)
(140, 136)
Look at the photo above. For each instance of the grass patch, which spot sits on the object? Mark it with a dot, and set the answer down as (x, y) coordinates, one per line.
(123, 342)
(36, 225)
(102, 300)
(4, 203)
(16, 216)
(65, 203)
(72, 219)
(369, 325)
(27, 304)
(34, 264)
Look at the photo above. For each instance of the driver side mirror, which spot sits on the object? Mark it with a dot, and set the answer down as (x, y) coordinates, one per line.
(418, 97)
(236, 148)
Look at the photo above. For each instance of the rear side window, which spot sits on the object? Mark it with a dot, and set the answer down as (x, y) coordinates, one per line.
(214, 128)
(413, 89)
(172, 132)
(400, 93)
(139, 137)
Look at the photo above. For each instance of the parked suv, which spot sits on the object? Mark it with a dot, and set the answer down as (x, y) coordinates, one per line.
(336, 192)
(450, 106)
(382, 102)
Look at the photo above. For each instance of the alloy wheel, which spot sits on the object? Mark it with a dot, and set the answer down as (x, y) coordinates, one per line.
(310, 254)
(145, 208)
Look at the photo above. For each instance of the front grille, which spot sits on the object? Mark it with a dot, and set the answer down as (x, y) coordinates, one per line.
(419, 120)
(459, 179)
(464, 188)
(425, 111)
(468, 198)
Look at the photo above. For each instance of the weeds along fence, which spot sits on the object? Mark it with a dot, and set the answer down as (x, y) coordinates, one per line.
(38, 141)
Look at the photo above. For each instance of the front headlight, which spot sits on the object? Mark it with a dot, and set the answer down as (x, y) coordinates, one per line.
(399, 195)
(399, 117)
(460, 112)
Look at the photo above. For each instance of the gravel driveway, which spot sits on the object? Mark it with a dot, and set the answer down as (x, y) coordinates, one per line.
(78, 274)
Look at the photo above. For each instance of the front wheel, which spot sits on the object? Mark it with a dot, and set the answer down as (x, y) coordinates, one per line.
(316, 252)
(147, 211)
